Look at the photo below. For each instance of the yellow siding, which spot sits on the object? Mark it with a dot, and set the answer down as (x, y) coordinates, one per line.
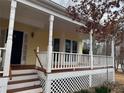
(41, 38)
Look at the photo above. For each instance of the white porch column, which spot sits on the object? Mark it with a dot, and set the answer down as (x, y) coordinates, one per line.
(91, 48)
(9, 38)
(112, 51)
(51, 20)
(113, 57)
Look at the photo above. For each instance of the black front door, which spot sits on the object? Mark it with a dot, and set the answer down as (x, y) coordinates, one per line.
(17, 47)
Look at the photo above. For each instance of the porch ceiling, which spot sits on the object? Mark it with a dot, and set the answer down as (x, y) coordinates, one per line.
(34, 17)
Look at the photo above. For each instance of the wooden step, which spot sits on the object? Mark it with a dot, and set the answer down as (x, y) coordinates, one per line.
(15, 75)
(24, 71)
(23, 81)
(32, 89)
(19, 77)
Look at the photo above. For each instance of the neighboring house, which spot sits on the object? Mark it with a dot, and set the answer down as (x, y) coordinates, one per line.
(57, 65)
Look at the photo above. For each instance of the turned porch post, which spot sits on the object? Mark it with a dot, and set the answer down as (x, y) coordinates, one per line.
(9, 38)
(91, 48)
(51, 20)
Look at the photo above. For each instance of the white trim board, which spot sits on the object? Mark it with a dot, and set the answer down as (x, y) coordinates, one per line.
(78, 73)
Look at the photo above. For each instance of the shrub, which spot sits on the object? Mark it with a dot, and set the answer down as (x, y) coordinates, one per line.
(102, 89)
(85, 51)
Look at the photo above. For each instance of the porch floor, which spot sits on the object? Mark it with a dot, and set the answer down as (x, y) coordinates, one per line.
(21, 67)
(77, 69)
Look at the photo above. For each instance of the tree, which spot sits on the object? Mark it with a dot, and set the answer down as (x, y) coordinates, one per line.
(100, 16)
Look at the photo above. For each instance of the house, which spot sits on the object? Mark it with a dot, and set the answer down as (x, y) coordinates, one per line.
(40, 51)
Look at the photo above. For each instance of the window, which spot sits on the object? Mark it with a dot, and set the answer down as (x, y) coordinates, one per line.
(86, 47)
(74, 47)
(70, 46)
(56, 45)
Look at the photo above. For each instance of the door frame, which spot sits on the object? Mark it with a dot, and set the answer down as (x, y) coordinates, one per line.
(24, 48)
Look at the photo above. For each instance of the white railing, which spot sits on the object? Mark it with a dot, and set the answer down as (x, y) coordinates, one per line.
(62, 60)
(2, 53)
(102, 61)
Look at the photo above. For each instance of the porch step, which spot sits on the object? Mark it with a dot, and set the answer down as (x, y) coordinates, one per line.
(24, 81)
(18, 72)
(32, 89)
(27, 76)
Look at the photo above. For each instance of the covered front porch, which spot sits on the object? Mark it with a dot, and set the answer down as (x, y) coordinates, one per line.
(57, 43)
(50, 44)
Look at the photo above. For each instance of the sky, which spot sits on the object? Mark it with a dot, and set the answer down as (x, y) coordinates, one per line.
(66, 3)
(62, 2)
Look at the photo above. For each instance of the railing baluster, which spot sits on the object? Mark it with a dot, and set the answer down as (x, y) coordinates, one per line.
(71, 60)
(52, 64)
(59, 60)
(55, 59)
(66, 60)
(63, 60)
(78, 60)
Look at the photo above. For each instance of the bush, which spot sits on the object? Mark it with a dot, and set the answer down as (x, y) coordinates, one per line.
(85, 51)
(102, 89)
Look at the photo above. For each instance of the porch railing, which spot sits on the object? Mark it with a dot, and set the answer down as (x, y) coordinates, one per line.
(62, 60)
(2, 55)
(102, 61)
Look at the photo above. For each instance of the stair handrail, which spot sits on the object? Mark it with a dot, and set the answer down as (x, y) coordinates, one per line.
(38, 58)
(43, 69)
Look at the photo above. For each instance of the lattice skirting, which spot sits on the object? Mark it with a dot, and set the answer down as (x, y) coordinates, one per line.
(98, 79)
(69, 85)
(42, 78)
(68, 82)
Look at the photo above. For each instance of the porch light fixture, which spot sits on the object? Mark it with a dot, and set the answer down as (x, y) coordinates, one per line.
(32, 34)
